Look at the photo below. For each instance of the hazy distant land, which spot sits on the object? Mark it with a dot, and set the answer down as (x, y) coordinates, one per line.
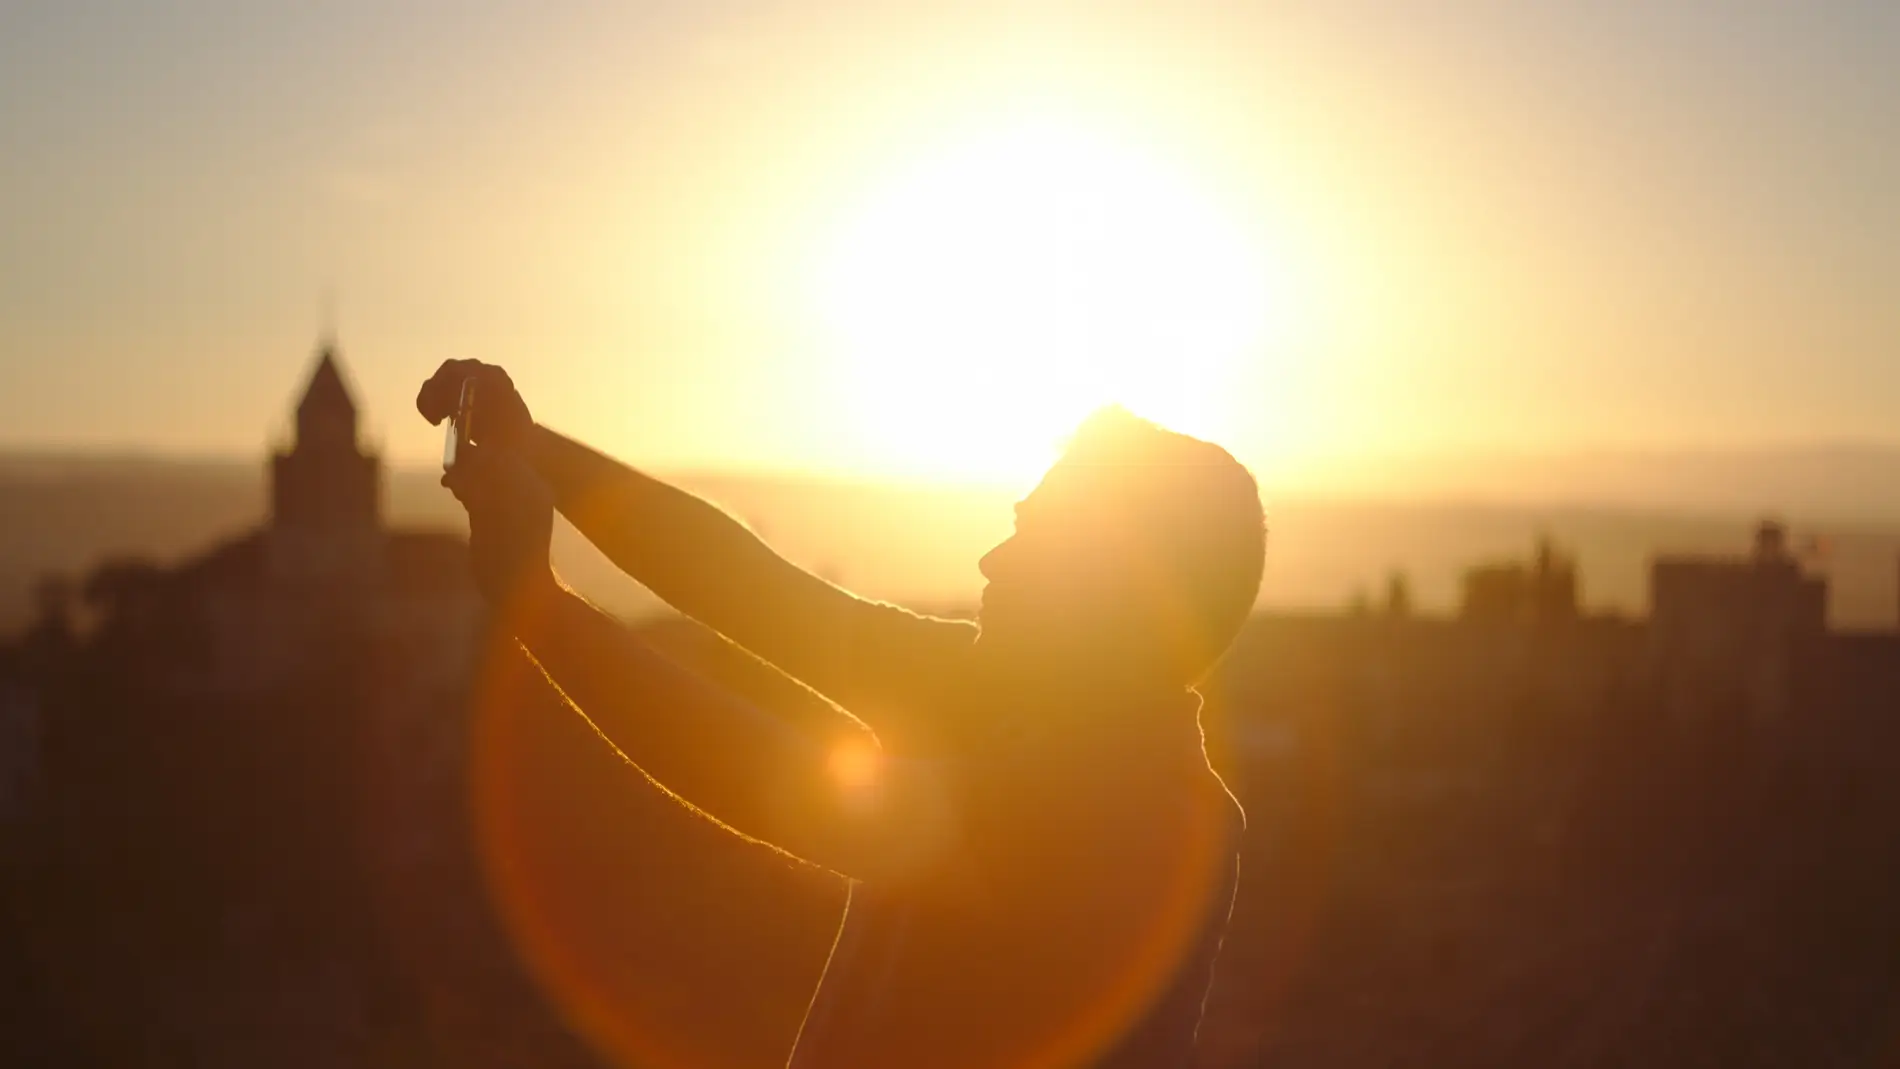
(919, 544)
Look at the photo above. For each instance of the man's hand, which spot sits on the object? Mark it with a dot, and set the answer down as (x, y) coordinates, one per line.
(501, 417)
(510, 522)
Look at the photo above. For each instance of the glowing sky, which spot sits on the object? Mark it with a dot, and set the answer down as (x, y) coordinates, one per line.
(1375, 229)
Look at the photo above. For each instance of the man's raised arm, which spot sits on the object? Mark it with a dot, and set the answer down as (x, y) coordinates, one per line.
(709, 566)
(810, 780)
(807, 778)
(685, 549)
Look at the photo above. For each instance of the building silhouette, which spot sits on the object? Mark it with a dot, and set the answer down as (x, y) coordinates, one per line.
(1542, 590)
(326, 490)
(1727, 633)
(324, 577)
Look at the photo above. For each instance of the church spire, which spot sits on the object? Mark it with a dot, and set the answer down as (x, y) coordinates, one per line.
(326, 413)
(325, 482)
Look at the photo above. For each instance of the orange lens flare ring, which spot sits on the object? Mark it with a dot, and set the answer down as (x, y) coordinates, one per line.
(571, 928)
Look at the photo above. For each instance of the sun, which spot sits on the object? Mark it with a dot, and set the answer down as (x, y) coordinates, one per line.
(990, 294)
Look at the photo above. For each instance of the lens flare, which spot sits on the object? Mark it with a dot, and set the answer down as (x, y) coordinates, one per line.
(854, 767)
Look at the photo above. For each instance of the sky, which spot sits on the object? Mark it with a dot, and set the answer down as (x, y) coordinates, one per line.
(859, 238)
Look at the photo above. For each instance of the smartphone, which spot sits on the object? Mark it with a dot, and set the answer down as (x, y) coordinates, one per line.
(455, 435)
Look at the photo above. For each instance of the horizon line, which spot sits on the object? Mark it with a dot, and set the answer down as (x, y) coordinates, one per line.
(1350, 495)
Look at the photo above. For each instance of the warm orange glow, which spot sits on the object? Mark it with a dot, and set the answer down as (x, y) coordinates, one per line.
(994, 292)
(585, 864)
(854, 766)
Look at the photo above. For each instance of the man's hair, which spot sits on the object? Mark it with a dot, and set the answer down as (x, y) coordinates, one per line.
(1198, 518)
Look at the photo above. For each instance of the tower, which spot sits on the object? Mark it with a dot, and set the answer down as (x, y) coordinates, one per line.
(326, 492)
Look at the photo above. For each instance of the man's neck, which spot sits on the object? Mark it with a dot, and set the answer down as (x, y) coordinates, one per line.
(1076, 676)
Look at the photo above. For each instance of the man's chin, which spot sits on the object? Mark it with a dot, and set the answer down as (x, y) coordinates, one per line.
(989, 633)
(997, 664)
(994, 639)
(1004, 645)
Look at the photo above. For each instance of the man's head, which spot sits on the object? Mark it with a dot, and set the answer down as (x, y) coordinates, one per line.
(1140, 550)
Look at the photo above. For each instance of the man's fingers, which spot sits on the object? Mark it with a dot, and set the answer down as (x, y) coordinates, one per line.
(439, 396)
(457, 484)
(500, 417)
(471, 480)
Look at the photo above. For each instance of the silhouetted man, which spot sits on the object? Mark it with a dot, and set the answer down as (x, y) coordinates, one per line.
(1042, 861)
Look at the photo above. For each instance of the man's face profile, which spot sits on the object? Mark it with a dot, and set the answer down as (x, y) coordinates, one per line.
(1064, 574)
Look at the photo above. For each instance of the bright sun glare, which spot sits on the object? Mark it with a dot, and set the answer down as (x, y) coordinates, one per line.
(994, 292)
